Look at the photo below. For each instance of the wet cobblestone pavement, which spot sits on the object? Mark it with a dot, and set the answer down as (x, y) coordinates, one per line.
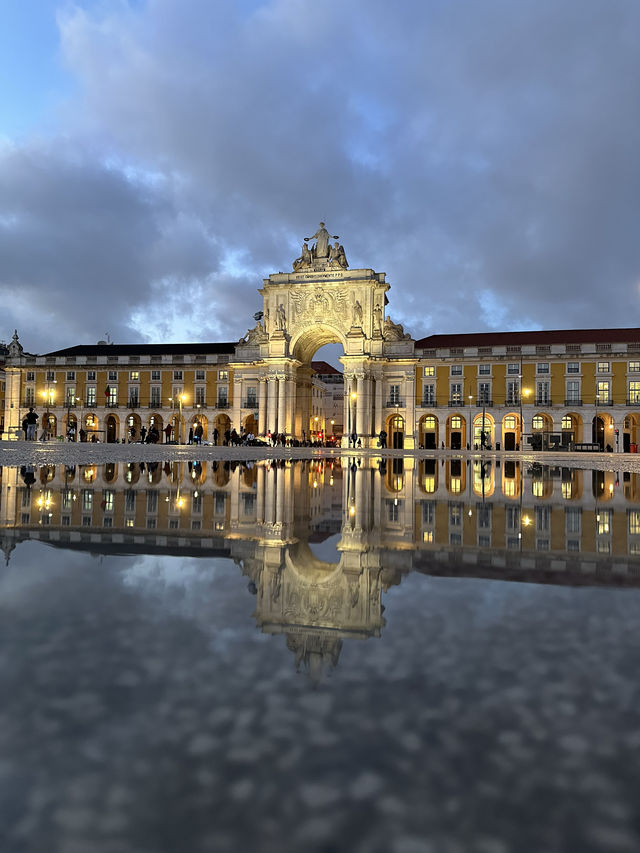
(143, 712)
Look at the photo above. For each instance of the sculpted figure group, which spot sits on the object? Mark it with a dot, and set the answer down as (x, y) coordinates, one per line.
(321, 250)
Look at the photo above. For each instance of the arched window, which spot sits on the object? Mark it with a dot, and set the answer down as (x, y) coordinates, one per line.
(567, 422)
(430, 422)
(510, 422)
(456, 422)
(537, 422)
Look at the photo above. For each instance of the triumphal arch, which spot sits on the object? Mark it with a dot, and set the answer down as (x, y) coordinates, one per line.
(322, 301)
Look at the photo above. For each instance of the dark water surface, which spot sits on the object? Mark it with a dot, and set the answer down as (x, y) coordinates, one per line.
(417, 657)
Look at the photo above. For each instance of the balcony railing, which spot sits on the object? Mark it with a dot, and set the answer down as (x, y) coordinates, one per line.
(608, 402)
(512, 401)
(222, 404)
(485, 403)
(427, 404)
(456, 401)
(392, 404)
(543, 401)
(250, 403)
(633, 401)
(573, 402)
(110, 404)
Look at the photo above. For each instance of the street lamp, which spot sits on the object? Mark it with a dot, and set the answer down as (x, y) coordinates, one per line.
(523, 392)
(352, 399)
(470, 440)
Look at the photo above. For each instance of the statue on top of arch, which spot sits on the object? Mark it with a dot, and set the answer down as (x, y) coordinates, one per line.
(321, 251)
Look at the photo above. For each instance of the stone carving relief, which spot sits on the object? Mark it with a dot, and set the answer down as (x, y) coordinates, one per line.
(318, 305)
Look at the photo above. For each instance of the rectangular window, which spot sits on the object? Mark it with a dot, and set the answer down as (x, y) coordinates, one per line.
(70, 396)
(29, 396)
(634, 367)
(177, 376)
(248, 503)
(428, 512)
(603, 392)
(394, 394)
(112, 396)
(129, 501)
(200, 376)
(134, 399)
(51, 376)
(393, 510)
(152, 501)
(542, 393)
(573, 391)
(455, 515)
(634, 522)
(543, 519)
(223, 397)
(456, 370)
(572, 520)
(573, 367)
(223, 375)
(513, 369)
(31, 376)
(91, 395)
(542, 367)
(429, 395)
(513, 392)
(155, 376)
(71, 376)
(91, 376)
(134, 376)
(603, 366)
(107, 500)
(512, 517)
(484, 369)
(430, 371)
(634, 392)
(484, 392)
(200, 395)
(67, 499)
(603, 522)
(155, 397)
(456, 393)
(87, 500)
(113, 376)
(219, 503)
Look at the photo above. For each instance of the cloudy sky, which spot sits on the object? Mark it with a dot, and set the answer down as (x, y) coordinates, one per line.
(158, 158)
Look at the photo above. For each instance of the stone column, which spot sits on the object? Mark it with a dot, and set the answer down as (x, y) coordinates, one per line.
(280, 492)
(260, 495)
(361, 406)
(290, 393)
(269, 496)
(410, 409)
(262, 406)
(379, 402)
(12, 419)
(282, 401)
(272, 386)
(236, 416)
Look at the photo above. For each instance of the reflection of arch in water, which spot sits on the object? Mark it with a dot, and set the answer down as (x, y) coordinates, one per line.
(154, 472)
(220, 473)
(484, 479)
(428, 476)
(455, 476)
(47, 473)
(132, 473)
(571, 484)
(110, 472)
(88, 473)
(394, 480)
(603, 485)
(511, 474)
(197, 472)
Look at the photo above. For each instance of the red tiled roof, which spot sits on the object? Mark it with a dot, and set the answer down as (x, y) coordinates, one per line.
(324, 367)
(555, 336)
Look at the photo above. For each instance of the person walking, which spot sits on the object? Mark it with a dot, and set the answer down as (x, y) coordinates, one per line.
(167, 433)
(143, 433)
(215, 436)
(25, 427)
(32, 422)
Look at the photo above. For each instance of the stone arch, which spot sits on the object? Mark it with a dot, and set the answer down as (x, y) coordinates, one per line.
(630, 433)
(249, 424)
(428, 432)
(511, 431)
(110, 472)
(541, 429)
(456, 431)
(571, 426)
(134, 422)
(222, 423)
(71, 424)
(132, 473)
(90, 424)
(111, 426)
(306, 343)
(203, 421)
(483, 423)
(49, 425)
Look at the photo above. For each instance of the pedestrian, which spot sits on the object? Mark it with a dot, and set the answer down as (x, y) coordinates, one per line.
(32, 421)
(190, 439)
(199, 432)
(354, 438)
(83, 434)
(215, 436)
(143, 433)
(167, 433)
(25, 427)
(227, 437)
(382, 437)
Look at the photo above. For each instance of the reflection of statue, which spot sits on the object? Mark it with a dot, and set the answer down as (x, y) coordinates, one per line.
(357, 314)
(322, 244)
(304, 260)
(281, 318)
(394, 331)
(377, 320)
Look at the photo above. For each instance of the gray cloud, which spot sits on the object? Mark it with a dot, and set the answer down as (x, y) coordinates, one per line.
(483, 155)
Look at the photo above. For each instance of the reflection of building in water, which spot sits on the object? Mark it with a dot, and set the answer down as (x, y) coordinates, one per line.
(436, 516)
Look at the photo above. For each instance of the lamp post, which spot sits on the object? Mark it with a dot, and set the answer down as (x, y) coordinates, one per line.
(470, 442)
(48, 395)
(352, 398)
(523, 392)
